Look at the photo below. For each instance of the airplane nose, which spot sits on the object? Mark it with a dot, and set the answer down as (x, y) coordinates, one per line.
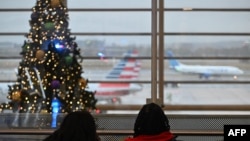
(241, 72)
(136, 87)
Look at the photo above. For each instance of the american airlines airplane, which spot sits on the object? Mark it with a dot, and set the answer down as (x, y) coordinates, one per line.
(202, 70)
(127, 69)
(106, 92)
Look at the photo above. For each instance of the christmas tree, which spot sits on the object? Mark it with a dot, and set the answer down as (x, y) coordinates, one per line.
(49, 74)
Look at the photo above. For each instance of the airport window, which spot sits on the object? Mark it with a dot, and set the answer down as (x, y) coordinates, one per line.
(197, 34)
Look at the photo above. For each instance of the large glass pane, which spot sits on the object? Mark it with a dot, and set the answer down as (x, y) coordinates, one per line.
(207, 22)
(15, 21)
(17, 4)
(110, 4)
(209, 46)
(221, 79)
(207, 94)
(206, 3)
(110, 21)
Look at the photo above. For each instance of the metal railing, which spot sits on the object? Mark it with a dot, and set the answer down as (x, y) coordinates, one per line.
(110, 132)
(117, 127)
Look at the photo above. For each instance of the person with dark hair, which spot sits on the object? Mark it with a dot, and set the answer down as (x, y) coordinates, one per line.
(76, 126)
(151, 124)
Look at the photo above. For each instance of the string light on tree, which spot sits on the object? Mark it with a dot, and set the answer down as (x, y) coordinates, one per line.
(49, 68)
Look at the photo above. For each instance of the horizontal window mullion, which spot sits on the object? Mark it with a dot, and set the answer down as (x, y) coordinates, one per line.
(136, 9)
(139, 34)
(190, 9)
(166, 82)
(148, 57)
(207, 33)
(170, 107)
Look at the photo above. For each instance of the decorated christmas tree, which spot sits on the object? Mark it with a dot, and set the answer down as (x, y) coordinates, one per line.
(49, 76)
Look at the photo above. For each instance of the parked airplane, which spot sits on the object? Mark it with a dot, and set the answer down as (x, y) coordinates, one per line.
(127, 69)
(202, 70)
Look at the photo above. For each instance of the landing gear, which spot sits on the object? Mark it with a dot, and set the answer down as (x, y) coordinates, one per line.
(116, 100)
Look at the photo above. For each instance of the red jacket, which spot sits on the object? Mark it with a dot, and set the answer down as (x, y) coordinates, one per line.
(164, 136)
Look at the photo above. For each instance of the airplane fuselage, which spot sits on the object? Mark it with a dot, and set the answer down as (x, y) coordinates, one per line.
(209, 70)
(105, 90)
(202, 70)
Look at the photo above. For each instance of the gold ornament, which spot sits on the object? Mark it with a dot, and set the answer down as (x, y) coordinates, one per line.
(40, 55)
(82, 82)
(16, 96)
(55, 3)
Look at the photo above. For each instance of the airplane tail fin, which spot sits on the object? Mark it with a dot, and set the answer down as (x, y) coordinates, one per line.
(128, 68)
(172, 62)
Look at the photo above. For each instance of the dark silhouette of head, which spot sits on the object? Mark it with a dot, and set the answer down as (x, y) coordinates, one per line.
(151, 120)
(76, 126)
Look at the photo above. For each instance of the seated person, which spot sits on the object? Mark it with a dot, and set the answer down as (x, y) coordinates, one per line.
(151, 124)
(76, 126)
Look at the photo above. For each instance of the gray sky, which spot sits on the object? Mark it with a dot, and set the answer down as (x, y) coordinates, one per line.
(137, 21)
